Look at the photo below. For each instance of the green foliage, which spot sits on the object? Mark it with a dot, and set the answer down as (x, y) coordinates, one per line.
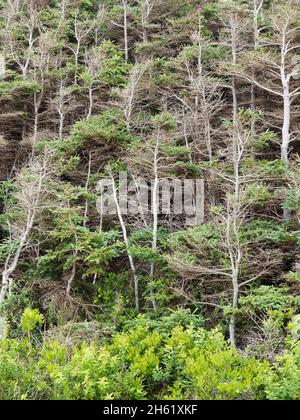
(106, 127)
(170, 358)
(171, 83)
(113, 70)
(286, 384)
(164, 121)
(264, 140)
(17, 371)
(31, 319)
(9, 89)
(267, 298)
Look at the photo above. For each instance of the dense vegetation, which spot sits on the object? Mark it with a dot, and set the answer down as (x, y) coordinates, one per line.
(146, 305)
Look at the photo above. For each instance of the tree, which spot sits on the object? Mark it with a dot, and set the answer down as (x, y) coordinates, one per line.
(273, 61)
(83, 28)
(224, 247)
(29, 197)
(129, 95)
(202, 99)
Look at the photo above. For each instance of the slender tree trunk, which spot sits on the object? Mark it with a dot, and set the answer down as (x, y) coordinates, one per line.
(208, 139)
(125, 30)
(286, 137)
(155, 209)
(257, 5)
(11, 263)
(286, 125)
(36, 120)
(85, 218)
(10, 267)
(76, 63)
(235, 299)
(126, 241)
(234, 50)
(72, 276)
(61, 125)
(91, 103)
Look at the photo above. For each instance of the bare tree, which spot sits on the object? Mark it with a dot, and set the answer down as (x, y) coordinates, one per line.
(60, 104)
(21, 55)
(126, 241)
(204, 101)
(82, 30)
(230, 218)
(2, 65)
(256, 13)
(276, 68)
(41, 60)
(151, 161)
(146, 7)
(125, 25)
(93, 64)
(234, 23)
(31, 183)
(128, 97)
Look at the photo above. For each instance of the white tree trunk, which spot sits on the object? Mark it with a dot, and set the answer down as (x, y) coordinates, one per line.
(10, 267)
(126, 241)
(11, 262)
(91, 103)
(235, 299)
(286, 135)
(2, 65)
(155, 210)
(125, 24)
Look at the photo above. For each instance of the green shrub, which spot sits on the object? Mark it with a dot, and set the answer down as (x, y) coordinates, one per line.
(31, 318)
(173, 357)
(107, 127)
(286, 384)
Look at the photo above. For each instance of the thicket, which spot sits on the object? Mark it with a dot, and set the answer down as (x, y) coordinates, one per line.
(144, 306)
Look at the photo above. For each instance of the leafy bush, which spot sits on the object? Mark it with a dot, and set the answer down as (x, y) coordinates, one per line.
(267, 298)
(286, 384)
(31, 319)
(173, 357)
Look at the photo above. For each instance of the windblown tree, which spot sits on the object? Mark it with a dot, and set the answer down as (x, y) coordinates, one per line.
(275, 68)
(222, 250)
(23, 209)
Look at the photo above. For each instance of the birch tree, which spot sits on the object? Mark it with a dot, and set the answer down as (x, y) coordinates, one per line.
(61, 104)
(23, 28)
(150, 161)
(233, 17)
(2, 65)
(92, 75)
(121, 20)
